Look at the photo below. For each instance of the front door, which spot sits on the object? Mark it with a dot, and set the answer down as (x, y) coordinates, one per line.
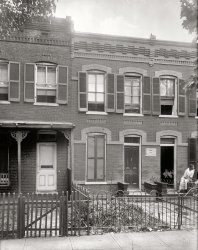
(131, 169)
(46, 167)
(167, 165)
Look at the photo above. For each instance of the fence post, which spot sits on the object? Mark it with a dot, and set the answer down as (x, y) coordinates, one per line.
(63, 221)
(21, 217)
(179, 212)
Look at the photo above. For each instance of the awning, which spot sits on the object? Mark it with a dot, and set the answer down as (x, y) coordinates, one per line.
(35, 124)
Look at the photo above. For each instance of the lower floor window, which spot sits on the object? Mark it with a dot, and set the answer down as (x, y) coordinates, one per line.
(95, 157)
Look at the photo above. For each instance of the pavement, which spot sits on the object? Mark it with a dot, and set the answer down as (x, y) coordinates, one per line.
(164, 240)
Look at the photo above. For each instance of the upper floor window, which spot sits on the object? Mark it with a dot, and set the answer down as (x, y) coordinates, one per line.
(4, 84)
(46, 84)
(96, 91)
(168, 100)
(9, 81)
(95, 157)
(132, 94)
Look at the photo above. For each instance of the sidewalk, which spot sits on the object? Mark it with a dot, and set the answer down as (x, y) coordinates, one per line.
(174, 240)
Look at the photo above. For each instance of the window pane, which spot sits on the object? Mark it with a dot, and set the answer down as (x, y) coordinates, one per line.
(100, 169)
(51, 75)
(136, 91)
(90, 169)
(99, 97)
(100, 146)
(100, 79)
(91, 79)
(127, 100)
(100, 87)
(91, 97)
(135, 100)
(41, 75)
(3, 93)
(127, 90)
(170, 87)
(163, 87)
(46, 156)
(91, 87)
(3, 73)
(90, 147)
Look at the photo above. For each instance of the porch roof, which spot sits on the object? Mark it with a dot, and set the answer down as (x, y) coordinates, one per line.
(36, 124)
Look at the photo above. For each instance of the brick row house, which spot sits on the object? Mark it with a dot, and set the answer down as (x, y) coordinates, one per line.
(93, 109)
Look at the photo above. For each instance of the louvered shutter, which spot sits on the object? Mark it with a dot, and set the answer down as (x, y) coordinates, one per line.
(193, 153)
(120, 94)
(146, 95)
(14, 90)
(156, 109)
(192, 102)
(62, 85)
(181, 98)
(110, 93)
(82, 91)
(29, 84)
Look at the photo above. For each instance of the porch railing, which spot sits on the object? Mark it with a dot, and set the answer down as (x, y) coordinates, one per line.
(4, 179)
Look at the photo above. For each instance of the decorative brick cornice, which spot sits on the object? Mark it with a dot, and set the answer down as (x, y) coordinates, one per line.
(139, 59)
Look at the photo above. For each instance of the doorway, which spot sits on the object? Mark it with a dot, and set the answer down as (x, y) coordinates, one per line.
(46, 167)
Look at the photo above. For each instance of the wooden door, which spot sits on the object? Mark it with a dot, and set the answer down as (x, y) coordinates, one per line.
(131, 169)
(46, 167)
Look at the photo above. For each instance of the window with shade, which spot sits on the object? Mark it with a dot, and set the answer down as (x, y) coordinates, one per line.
(167, 96)
(132, 94)
(4, 82)
(96, 91)
(96, 157)
(46, 86)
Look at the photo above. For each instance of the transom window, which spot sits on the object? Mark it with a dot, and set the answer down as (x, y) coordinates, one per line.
(132, 89)
(95, 157)
(4, 82)
(46, 84)
(96, 91)
(167, 95)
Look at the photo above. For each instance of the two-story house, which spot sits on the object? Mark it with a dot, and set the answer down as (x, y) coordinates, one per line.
(93, 109)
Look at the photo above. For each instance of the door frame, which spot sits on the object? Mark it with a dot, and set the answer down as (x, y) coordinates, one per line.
(140, 159)
(174, 161)
(37, 164)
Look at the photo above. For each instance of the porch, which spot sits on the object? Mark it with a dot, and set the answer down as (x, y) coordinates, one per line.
(35, 156)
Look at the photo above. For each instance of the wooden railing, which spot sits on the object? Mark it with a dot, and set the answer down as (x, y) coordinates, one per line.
(4, 179)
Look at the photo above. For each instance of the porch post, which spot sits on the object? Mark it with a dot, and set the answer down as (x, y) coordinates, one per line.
(68, 138)
(19, 136)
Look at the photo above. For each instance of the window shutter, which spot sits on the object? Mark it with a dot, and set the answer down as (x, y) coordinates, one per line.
(146, 95)
(14, 90)
(192, 153)
(62, 85)
(29, 84)
(120, 94)
(181, 98)
(110, 90)
(82, 91)
(192, 102)
(156, 96)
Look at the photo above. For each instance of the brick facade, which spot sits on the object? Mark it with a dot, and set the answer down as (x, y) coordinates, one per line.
(107, 54)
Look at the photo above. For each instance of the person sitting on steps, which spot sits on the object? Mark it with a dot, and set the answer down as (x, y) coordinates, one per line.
(186, 178)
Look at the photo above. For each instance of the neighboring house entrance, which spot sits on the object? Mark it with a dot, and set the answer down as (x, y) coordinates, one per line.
(132, 161)
(167, 149)
(46, 167)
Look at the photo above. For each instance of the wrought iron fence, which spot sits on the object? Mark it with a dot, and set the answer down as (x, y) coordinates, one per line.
(36, 215)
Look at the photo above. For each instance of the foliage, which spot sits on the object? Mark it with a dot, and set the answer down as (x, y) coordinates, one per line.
(15, 13)
(189, 16)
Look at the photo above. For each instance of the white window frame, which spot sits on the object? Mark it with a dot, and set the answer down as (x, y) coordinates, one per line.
(175, 104)
(6, 84)
(96, 72)
(46, 65)
(128, 75)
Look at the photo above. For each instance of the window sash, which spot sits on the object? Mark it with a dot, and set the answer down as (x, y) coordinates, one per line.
(167, 87)
(96, 157)
(96, 89)
(4, 82)
(132, 94)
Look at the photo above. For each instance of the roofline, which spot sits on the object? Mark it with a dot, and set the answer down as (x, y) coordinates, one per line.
(134, 39)
(35, 124)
